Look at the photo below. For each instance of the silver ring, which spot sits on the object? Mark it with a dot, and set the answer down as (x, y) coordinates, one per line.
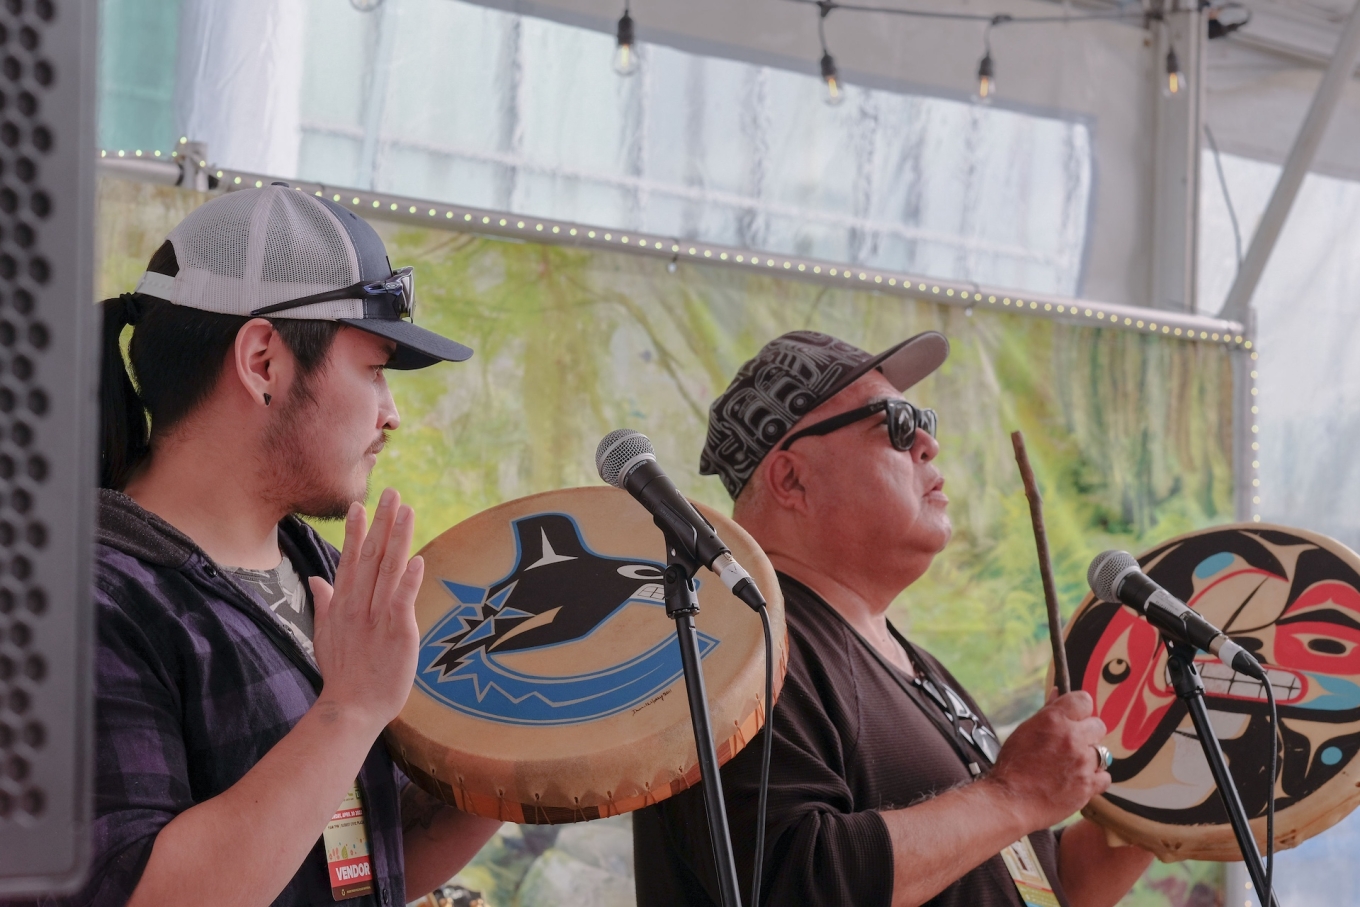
(1104, 758)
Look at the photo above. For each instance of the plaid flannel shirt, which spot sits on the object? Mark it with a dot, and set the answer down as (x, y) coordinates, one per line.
(195, 682)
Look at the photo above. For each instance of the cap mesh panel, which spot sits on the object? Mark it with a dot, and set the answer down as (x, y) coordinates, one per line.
(216, 237)
(303, 245)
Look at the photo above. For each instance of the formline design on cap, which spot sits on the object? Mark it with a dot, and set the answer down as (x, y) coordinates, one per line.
(791, 376)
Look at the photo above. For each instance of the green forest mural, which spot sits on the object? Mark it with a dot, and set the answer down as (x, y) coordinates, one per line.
(1129, 435)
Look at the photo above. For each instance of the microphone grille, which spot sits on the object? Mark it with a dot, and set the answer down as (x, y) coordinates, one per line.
(1107, 571)
(618, 450)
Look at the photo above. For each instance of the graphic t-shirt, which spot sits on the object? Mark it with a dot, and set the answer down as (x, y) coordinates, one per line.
(281, 591)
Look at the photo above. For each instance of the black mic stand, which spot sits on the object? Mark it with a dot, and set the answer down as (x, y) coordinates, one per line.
(682, 603)
(1189, 688)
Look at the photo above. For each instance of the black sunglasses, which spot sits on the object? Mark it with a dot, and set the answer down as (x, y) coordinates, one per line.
(400, 288)
(903, 421)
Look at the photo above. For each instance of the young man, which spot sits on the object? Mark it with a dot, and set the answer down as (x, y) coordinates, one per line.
(245, 669)
(887, 784)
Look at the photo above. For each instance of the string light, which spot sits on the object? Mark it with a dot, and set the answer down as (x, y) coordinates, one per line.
(1222, 19)
(625, 48)
(986, 78)
(1175, 79)
(986, 68)
(834, 92)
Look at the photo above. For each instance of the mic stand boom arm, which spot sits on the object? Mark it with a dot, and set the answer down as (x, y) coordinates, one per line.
(681, 605)
(1190, 689)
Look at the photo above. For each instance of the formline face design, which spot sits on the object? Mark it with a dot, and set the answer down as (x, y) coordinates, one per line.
(1293, 601)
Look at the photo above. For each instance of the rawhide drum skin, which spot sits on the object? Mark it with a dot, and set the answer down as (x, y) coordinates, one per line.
(548, 687)
(1290, 597)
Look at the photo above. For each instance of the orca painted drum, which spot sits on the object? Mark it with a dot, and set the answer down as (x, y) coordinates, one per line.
(548, 687)
(1292, 598)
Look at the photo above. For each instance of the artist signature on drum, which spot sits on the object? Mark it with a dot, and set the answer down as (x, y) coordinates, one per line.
(656, 698)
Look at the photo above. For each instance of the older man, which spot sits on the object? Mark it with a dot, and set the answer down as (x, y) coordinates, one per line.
(888, 785)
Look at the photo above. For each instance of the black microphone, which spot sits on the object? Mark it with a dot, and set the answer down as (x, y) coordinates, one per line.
(626, 459)
(1115, 576)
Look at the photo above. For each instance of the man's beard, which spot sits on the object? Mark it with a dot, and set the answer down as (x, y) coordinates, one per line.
(301, 478)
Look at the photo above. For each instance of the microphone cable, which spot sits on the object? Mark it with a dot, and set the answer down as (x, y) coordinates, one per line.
(759, 861)
(1276, 740)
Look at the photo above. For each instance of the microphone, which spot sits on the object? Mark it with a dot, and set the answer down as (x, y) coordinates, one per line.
(626, 459)
(1114, 576)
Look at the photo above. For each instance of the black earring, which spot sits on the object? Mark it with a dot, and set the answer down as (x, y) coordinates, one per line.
(267, 398)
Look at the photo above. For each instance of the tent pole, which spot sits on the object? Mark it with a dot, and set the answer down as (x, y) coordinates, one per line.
(1295, 169)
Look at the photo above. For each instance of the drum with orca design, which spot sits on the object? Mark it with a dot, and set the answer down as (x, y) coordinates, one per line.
(1292, 598)
(548, 687)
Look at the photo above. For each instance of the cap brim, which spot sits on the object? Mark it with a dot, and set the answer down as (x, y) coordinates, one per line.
(904, 364)
(416, 347)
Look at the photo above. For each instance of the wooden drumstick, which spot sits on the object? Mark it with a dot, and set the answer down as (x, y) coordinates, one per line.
(1036, 515)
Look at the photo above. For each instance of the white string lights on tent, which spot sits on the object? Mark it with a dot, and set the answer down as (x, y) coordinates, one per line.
(1222, 20)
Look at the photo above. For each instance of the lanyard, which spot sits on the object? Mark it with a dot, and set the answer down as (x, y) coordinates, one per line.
(936, 699)
(980, 737)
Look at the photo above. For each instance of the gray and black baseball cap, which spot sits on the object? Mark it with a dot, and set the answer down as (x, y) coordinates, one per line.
(791, 376)
(282, 253)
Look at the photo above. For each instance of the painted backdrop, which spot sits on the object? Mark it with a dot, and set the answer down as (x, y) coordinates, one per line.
(1130, 436)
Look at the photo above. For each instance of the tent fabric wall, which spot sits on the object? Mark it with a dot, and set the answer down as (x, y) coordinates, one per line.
(694, 146)
(1130, 434)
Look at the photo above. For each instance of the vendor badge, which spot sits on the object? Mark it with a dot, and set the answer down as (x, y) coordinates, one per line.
(1023, 864)
(347, 855)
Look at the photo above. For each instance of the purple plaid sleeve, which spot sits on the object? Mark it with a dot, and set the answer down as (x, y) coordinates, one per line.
(141, 770)
(194, 683)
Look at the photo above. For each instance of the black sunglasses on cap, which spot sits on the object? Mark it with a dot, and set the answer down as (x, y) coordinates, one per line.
(903, 421)
(400, 288)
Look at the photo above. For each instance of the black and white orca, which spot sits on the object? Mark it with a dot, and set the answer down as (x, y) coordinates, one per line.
(559, 591)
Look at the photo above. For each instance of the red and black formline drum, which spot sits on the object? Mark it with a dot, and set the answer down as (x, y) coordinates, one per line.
(1292, 598)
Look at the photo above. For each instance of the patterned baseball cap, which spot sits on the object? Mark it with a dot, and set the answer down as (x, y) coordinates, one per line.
(791, 376)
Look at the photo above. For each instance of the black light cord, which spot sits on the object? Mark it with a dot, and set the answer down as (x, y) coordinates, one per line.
(1275, 737)
(828, 5)
(1227, 198)
(759, 861)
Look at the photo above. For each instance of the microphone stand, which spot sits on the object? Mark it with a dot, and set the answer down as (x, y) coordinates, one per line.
(682, 603)
(1189, 688)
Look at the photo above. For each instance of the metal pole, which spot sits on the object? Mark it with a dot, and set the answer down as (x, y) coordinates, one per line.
(1190, 690)
(1295, 169)
(682, 604)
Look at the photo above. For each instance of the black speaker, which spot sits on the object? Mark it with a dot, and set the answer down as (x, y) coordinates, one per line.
(48, 453)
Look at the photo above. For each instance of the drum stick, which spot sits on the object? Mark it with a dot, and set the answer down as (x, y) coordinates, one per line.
(1036, 515)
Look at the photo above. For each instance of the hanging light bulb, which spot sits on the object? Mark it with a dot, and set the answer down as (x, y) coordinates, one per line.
(986, 74)
(834, 93)
(1175, 79)
(625, 49)
(986, 78)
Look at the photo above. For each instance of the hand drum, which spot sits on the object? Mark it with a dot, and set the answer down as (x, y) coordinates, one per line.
(548, 687)
(1291, 598)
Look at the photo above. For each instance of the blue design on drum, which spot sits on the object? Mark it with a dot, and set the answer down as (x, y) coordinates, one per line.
(559, 592)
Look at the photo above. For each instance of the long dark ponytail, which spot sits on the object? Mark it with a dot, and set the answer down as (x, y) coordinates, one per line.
(177, 355)
(124, 432)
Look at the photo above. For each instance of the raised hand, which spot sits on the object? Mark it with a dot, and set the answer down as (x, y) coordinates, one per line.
(366, 638)
(1048, 766)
